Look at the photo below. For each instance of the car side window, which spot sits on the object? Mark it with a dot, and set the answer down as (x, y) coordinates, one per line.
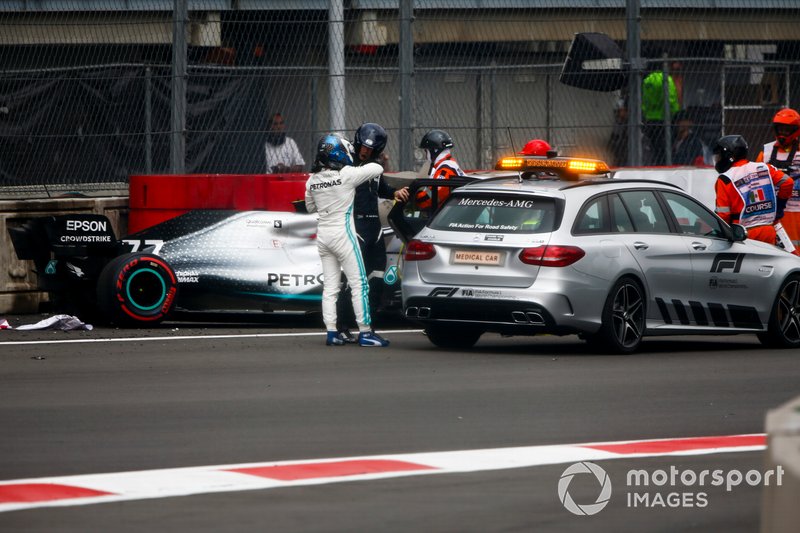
(592, 218)
(645, 211)
(692, 217)
(620, 219)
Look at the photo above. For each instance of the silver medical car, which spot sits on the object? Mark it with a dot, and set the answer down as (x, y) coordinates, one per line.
(545, 250)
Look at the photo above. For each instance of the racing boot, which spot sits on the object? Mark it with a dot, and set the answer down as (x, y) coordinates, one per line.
(333, 339)
(347, 337)
(370, 338)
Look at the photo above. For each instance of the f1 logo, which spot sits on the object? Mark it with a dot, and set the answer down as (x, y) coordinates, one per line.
(443, 291)
(732, 262)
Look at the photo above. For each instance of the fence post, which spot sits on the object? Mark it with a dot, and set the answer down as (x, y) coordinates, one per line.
(493, 109)
(148, 120)
(406, 85)
(479, 120)
(180, 15)
(337, 95)
(665, 77)
(314, 105)
(634, 46)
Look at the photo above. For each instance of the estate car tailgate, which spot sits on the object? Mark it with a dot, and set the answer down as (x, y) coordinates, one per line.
(481, 260)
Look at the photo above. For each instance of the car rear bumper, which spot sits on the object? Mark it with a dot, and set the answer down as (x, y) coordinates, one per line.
(502, 316)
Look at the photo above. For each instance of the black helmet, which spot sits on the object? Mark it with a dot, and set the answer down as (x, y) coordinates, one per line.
(372, 136)
(333, 152)
(728, 150)
(436, 141)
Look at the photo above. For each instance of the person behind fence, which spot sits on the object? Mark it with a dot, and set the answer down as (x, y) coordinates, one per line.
(783, 154)
(653, 112)
(618, 140)
(330, 191)
(687, 149)
(369, 143)
(437, 145)
(752, 194)
(281, 150)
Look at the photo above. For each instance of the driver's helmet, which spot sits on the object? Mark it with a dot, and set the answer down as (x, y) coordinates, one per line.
(334, 152)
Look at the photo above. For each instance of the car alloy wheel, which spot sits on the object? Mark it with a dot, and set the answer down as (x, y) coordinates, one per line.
(622, 319)
(783, 330)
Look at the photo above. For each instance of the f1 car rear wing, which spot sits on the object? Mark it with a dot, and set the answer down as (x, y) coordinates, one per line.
(64, 235)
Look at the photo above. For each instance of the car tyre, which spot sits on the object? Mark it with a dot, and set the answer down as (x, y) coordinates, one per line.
(452, 337)
(136, 290)
(622, 319)
(783, 329)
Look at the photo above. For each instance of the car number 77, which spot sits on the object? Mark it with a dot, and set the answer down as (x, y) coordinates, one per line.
(137, 245)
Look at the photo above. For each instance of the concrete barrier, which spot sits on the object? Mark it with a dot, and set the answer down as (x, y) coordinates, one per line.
(19, 293)
(780, 507)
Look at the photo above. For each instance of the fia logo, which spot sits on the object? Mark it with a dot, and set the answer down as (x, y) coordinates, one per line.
(467, 292)
(712, 283)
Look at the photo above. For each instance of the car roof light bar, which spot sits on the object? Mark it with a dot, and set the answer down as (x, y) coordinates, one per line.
(572, 165)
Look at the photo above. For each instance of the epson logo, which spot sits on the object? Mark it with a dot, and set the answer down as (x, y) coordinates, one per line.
(87, 225)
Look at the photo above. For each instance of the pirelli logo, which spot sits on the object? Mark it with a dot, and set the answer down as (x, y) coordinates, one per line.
(727, 263)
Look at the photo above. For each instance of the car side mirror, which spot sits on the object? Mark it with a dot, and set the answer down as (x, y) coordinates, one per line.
(738, 233)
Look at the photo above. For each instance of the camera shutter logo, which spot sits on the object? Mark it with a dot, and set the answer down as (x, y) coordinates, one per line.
(584, 468)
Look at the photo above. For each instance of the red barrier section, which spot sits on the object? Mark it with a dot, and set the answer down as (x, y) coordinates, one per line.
(156, 198)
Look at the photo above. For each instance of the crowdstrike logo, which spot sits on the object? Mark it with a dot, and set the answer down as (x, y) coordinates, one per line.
(589, 509)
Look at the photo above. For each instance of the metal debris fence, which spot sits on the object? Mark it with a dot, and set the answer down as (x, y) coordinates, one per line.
(93, 92)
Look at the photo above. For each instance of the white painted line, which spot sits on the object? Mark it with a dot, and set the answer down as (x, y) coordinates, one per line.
(148, 484)
(190, 337)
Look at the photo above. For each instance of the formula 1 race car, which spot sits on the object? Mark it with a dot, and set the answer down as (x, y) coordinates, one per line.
(203, 260)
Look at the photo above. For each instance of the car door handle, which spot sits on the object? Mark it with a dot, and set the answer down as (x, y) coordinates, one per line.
(639, 245)
(698, 246)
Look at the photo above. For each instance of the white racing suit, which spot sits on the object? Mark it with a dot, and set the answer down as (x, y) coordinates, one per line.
(330, 193)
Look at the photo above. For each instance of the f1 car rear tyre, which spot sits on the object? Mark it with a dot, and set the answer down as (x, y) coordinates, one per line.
(783, 329)
(452, 337)
(622, 319)
(136, 289)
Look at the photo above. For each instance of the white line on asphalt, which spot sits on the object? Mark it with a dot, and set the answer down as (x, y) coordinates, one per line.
(162, 483)
(190, 337)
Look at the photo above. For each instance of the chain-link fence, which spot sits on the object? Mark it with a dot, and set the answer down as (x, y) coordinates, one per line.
(92, 92)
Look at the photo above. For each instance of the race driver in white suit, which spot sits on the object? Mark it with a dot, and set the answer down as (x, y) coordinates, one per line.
(330, 192)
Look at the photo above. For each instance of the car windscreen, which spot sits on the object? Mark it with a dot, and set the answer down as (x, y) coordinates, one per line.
(498, 214)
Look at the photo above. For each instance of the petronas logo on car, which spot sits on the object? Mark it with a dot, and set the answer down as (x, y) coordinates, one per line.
(390, 276)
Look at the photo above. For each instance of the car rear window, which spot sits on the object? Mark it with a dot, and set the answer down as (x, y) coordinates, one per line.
(497, 214)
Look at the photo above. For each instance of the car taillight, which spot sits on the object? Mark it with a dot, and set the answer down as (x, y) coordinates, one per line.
(553, 256)
(419, 251)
